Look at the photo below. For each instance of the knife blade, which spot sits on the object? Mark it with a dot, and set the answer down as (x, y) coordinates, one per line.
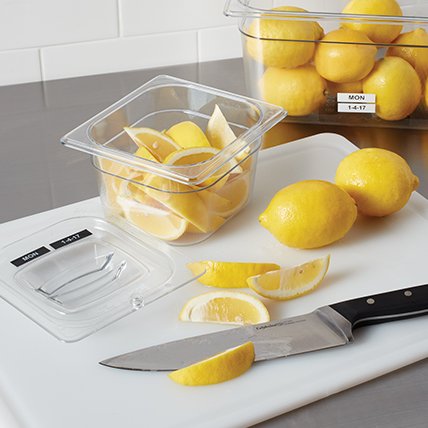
(326, 327)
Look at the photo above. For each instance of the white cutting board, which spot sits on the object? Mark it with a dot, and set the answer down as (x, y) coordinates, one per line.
(49, 384)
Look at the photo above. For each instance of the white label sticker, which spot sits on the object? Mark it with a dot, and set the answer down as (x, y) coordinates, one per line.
(355, 98)
(356, 108)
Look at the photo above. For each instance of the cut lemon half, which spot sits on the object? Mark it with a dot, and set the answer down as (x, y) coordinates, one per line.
(158, 144)
(287, 284)
(219, 368)
(228, 274)
(188, 134)
(225, 307)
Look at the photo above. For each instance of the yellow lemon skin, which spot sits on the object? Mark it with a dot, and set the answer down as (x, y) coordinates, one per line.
(416, 57)
(188, 134)
(228, 274)
(266, 41)
(309, 214)
(220, 368)
(378, 33)
(349, 60)
(397, 88)
(347, 88)
(301, 91)
(380, 181)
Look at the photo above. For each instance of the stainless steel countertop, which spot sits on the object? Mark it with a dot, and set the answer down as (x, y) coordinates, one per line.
(38, 174)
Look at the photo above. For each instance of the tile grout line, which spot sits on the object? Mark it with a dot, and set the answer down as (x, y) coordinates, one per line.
(198, 55)
(42, 69)
(119, 19)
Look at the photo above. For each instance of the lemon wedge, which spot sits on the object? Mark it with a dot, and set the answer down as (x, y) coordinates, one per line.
(289, 283)
(225, 307)
(187, 134)
(143, 152)
(157, 143)
(228, 274)
(219, 368)
(194, 155)
(180, 201)
(148, 214)
(218, 131)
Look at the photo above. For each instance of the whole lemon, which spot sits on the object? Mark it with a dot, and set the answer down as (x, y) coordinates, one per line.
(309, 214)
(397, 88)
(417, 57)
(378, 33)
(380, 181)
(300, 91)
(350, 87)
(349, 60)
(267, 40)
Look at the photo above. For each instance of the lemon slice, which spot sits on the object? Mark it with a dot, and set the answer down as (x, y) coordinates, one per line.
(287, 284)
(158, 144)
(220, 133)
(228, 274)
(188, 134)
(219, 368)
(225, 307)
(180, 201)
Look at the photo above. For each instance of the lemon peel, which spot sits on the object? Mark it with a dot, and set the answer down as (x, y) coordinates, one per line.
(219, 368)
(228, 274)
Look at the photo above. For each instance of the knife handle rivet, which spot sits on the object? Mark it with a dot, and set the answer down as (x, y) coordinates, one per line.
(408, 293)
(370, 301)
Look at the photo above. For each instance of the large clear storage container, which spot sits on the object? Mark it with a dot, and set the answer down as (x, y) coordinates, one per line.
(176, 159)
(347, 62)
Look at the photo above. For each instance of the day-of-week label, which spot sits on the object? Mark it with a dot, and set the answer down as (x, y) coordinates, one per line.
(356, 108)
(70, 239)
(355, 98)
(30, 256)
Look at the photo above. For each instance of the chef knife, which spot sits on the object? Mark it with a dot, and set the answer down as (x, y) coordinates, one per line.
(325, 327)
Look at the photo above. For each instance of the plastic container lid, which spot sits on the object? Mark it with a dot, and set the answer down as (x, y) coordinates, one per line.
(83, 273)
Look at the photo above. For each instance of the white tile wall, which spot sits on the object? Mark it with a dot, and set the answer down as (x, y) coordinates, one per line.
(219, 43)
(118, 55)
(52, 39)
(158, 16)
(35, 23)
(19, 66)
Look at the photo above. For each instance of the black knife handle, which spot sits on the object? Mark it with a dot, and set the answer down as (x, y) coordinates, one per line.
(406, 303)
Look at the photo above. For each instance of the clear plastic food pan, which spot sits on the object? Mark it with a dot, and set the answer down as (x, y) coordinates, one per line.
(347, 62)
(176, 159)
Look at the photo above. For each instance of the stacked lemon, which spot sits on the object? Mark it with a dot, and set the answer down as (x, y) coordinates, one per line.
(169, 209)
(302, 65)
